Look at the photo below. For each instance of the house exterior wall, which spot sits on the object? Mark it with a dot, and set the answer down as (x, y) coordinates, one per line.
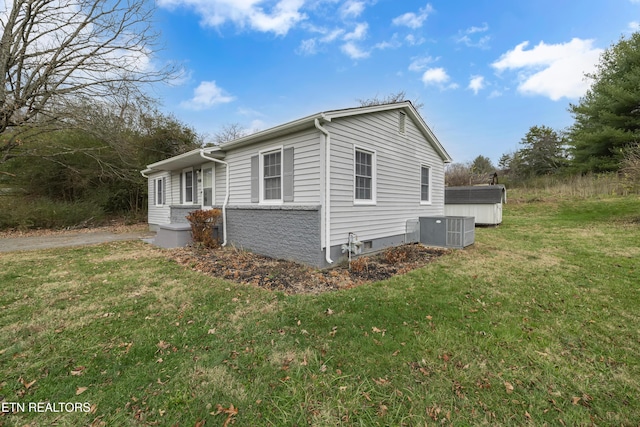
(158, 214)
(277, 231)
(288, 230)
(306, 171)
(398, 165)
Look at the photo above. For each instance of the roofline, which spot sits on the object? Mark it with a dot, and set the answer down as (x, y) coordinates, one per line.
(327, 116)
(282, 129)
(309, 122)
(161, 163)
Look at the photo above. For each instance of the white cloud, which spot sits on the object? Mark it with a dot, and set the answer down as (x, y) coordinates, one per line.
(307, 47)
(332, 35)
(555, 70)
(467, 36)
(413, 41)
(281, 17)
(351, 9)
(314, 45)
(634, 25)
(394, 43)
(413, 20)
(359, 33)
(353, 51)
(476, 83)
(437, 77)
(207, 95)
(420, 63)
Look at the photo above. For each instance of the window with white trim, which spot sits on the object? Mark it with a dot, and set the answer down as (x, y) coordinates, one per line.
(188, 186)
(271, 175)
(158, 191)
(207, 186)
(364, 176)
(425, 184)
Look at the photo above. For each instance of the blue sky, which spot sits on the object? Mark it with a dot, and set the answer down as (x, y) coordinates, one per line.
(485, 70)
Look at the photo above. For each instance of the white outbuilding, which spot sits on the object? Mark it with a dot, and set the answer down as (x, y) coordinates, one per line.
(484, 202)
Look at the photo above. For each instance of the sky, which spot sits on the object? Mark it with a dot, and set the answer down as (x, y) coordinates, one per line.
(485, 70)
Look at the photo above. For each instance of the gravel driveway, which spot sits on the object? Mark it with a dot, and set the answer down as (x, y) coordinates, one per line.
(30, 243)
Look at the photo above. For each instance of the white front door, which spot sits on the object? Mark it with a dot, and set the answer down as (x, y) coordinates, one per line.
(207, 187)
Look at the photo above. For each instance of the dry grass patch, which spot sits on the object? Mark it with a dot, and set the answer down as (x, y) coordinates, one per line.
(218, 380)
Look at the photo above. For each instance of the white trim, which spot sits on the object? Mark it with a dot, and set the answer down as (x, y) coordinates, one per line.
(155, 191)
(373, 199)
(226, 197)
(213, 184)
(261, 155)
(425, 202)
(184, 186)
(325, 192)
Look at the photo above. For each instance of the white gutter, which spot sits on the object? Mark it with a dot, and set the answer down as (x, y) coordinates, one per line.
(226, 197)
(327, 192)
(145, 172)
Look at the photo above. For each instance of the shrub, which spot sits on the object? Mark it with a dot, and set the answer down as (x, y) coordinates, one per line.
(25, 213)
(359, 265)
(202, 224)
(395, 255)
(631, 165)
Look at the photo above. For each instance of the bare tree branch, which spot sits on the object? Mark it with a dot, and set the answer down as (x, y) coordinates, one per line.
(56, 52)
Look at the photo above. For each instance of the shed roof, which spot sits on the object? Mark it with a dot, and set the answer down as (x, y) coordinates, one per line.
(482, 194)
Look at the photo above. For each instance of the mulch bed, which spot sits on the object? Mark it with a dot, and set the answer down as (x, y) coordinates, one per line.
(293, 278)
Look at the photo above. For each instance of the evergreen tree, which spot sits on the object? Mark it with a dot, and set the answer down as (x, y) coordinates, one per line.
(607, 118)
(544, 152)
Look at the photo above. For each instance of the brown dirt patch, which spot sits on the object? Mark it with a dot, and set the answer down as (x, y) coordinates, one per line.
(118, 227)
(293, 278)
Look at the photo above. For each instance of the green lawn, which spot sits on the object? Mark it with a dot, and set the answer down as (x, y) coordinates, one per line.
(538, 322)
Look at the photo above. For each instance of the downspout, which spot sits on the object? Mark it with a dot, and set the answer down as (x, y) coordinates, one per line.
(327, 192)
(226, 197)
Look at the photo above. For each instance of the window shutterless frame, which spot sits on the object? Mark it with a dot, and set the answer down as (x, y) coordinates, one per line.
(159, 191)
(208, 186)
(188, 186)
(425, 184)
(364, 176)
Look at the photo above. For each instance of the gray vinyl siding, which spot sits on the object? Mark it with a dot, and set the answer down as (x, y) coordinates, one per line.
(306, 169)
(398, 161)
(159, 214)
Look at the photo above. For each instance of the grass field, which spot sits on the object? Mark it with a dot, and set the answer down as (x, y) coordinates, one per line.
(537, 323)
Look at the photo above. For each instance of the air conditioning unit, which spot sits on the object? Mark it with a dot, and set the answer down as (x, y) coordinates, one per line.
(447, 231)
(412, 231)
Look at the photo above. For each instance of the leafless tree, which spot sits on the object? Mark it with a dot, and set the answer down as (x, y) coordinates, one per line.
(58, 53)
(229, 132)
(389, 99)
(631, 164)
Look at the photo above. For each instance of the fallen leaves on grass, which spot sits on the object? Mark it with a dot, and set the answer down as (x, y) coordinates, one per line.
(294, 278)
(78, 371)
(231, 412)
(25, 384)
(508, 387)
